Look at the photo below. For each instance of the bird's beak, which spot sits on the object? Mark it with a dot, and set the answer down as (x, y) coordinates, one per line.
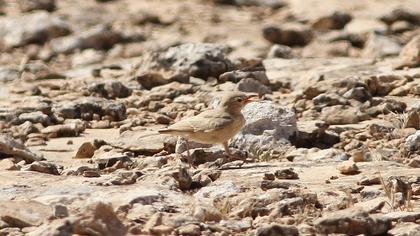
(251, 98)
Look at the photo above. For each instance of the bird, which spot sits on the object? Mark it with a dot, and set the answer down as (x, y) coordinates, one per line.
(213, 126)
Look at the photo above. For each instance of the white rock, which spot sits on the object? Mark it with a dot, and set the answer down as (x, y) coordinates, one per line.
(412, 142)
(268, 125)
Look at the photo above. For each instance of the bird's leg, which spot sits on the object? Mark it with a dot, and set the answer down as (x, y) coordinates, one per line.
(226, 146)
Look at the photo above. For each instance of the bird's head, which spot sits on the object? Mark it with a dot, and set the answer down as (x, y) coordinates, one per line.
(235, 101)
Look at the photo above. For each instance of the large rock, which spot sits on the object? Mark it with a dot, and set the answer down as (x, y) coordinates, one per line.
(275, 229)
(401, 14)
(336, 20)
(86, 107)
(412, 142)
(290, 35)
(31, 5)
(202, 60)
(410, 54)
(13, 148)
(110, 89)
(268, 125)
(99, 219)
(8, 73)
(380, 46)
(38, 27)
(145, 142)
(24, 213)
(98, 37)
(405, 229)
(352, 222)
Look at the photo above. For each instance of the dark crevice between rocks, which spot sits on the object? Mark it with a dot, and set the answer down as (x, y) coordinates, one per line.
(318, 137)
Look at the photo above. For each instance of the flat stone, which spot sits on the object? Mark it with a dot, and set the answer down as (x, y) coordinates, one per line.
(405, 229)
(24, 213)
(13, 148)
(145, 142)
(352, 222)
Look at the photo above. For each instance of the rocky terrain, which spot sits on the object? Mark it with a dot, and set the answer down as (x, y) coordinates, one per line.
(332, 147)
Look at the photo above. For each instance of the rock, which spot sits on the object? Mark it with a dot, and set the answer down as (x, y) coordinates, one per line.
(150, 79)
(86, 107)
(42, 167)
(372, 206)
(101, 124)
(58, 227)
(279, 51)
(313, 134)
(358, 156)
(190, 229)
(99, 37)
(25, 129)
(86, 150)
(201, 60)
(400, 14)
(65, 130)
(99, 219)
(38, 27)
(402, 216)
(8, 164)
(405, 229)
(217, 191)
(236, 76)
(290, 35)
(125, 178)
(412, 142)
(366, 181)
(415, 162)
(207, 214)
(410, 54)
(87, 57)
(360, 94)
(352, 222)
(60, 211)
(13, 148)
(31, 5)
(40, 71)
(379, 46)
(24, 213)
(340, 115)
(365, 26)
(287, 173)
(348, 168)
(9, 73)
(370, 193)
(34, 117)
(267, 184)
(250, 85)
(91, 174)
(110, 89)
(268, 126)
(145, 142)
(105, 156)
(276, 229)
(337, 20)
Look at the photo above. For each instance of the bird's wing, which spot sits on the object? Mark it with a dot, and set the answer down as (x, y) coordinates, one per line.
(206, 121)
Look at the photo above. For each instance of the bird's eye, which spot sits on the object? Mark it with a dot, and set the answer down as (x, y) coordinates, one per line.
(239, 99)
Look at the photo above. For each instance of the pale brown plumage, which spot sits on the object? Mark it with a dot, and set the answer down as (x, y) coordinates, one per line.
(214, 126)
